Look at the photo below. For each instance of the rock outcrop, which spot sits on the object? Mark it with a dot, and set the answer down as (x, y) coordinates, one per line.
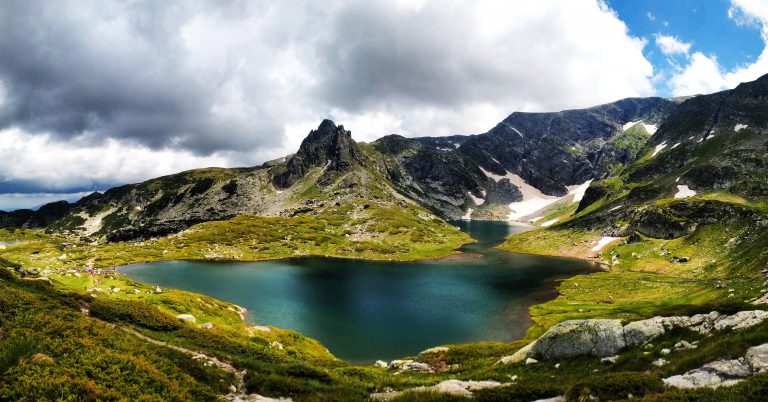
(716, 374)
(580, 338)
(757, 358)
(724, 372)
(329, 147)
(450, 387)
(604, 338)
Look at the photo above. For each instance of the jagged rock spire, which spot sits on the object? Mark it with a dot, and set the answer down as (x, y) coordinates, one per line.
(329, 145)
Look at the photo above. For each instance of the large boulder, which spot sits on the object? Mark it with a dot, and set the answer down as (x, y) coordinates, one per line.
(518, 356)
(571, 338)
(640, 332)
(757, 358)
(740, 320)
(603, 337)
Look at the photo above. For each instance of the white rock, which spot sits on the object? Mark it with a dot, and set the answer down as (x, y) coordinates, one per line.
(259, 398)
(741, 320)
(665, 351)
(517, 356)
(398, 364)
(380, 364)
(715, 374)
(660, 362)
(187, 317)
(555, 399)
(416, 366)
(594, 337)
(276, 345)
(531, 361)
(610, 359)
(757, 358)
(684, 345)
(437, 349)
(464, 388)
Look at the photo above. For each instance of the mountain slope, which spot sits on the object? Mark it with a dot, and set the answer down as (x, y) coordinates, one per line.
(483, 176)
(690, 211)
(479, 176)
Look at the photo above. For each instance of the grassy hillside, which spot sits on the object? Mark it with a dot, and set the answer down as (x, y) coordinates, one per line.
(65, 345)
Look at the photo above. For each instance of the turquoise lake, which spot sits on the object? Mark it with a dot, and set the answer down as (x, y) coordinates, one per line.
(368, 310)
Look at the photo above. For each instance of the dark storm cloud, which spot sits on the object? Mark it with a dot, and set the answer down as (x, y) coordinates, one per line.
(111, 70)
(94, 92)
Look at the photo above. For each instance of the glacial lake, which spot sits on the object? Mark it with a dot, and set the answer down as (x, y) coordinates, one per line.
(368, 310)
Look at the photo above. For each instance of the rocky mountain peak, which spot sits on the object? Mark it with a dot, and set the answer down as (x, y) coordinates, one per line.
(329, 146)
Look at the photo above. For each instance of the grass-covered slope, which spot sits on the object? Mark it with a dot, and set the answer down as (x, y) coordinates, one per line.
(66, 345)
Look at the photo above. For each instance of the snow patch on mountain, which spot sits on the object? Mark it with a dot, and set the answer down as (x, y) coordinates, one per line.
(683, 191)
(477, 201)
(603, 242)
(467, 215)
(579, 190)
(650, 128)
(659, 148)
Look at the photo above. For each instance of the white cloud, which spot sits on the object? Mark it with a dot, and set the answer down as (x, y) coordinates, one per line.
(650, 16)
(243, 82)
(704, 74)
(12, 201)
(59, 165)
(671, 45)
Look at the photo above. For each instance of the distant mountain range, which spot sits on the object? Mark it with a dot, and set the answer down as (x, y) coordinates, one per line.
(528, 167)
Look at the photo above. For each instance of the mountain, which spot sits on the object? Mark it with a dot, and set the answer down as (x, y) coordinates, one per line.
(481, 175)
(527, 155)
(328, 147)
(553, 150)
(712, 144)
(683, 224)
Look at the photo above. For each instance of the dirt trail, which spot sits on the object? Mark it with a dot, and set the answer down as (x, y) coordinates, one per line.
(240, 374)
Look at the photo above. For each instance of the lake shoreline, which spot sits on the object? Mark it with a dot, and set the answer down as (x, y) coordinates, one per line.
(481, 294)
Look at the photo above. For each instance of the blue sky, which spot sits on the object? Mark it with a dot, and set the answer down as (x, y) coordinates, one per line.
(703, 24)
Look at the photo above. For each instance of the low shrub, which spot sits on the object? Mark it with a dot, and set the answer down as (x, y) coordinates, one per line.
(134, 312)
(613, 386)
(523, 391)
(16, 349)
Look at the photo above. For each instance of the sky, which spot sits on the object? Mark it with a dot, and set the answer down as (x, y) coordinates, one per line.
(97, 93)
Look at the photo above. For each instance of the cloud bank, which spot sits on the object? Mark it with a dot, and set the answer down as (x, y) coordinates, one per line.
(111, 92)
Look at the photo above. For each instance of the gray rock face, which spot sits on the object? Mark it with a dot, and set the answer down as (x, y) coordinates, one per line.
(716, 374)
(450, 387)
(604, 338)
(571, 338)
(328, 145)
(553, 150)
(742, 319)
(416, 366)
(757, 358)
(640, 332)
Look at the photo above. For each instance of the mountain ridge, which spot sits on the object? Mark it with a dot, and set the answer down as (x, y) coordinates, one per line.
(457, 182)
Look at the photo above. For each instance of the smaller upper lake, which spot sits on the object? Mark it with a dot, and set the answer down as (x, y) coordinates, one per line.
(367, 310)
